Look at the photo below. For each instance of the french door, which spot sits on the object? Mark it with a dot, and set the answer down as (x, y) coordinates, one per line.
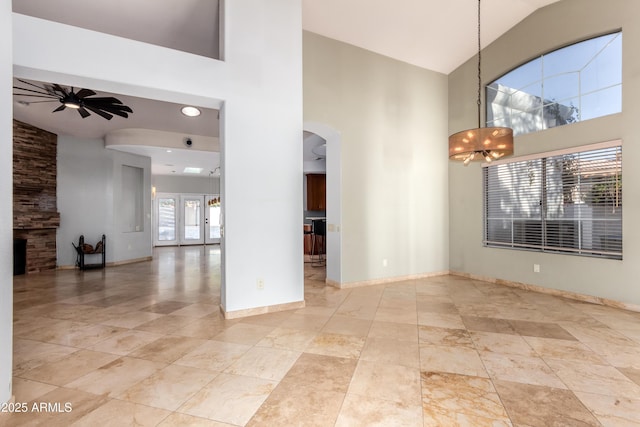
(186, 219)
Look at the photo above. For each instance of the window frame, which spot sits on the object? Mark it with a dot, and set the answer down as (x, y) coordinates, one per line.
(548, 223)
(545, 106)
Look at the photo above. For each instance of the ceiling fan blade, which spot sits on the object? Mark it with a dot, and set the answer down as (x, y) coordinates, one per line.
(107, 105)
(85, 92)
(32, 84)
(60, 108)
(113, 109)
(55, 98)
(44, 94)
(98, 112)
(60, 89)
(105, 99)
(84, 113)
(40, 102)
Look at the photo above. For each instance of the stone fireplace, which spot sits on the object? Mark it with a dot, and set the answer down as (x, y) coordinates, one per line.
(35, 212)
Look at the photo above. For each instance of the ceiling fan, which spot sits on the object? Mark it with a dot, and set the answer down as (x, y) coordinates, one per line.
(81, 100)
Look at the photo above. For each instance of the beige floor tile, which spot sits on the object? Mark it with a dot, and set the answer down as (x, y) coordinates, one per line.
(115, 377)
(27, 390)
(181, 420)
(532, 405)
(396, 315)
(322, 372)
(521, 369)
(201, 328)
(474, 397)
(395, 352)
(393, 330)
(366, 411)
(28, 354)
(454, 360)
(168, 388)
(229, 398)
(359, 311)
(125, 342)
(386, 382)
(165, 324)
(562, 349)
(117, 413)
(213, 355)
(612, 411)
(70, 368)
(242, 333)
(488, 324)
(440, 320)
(502, 343)
(290, 339)
(167, 349)
(336, 345)
(67, 406)
(592, 378)
(632, 374)
(165, 307)
(541, 330)
(295, 405)
(132, 319)
(346, 325)
(359, 352)
(430, 335)
(263, 362)
(306, 322)
(197, 310)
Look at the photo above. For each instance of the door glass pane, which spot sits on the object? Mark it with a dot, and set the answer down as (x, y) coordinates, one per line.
(214, 222)
(166, 219)
(192, 219)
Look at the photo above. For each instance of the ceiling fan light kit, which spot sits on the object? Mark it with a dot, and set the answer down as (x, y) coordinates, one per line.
(480, 144)
(83, 100)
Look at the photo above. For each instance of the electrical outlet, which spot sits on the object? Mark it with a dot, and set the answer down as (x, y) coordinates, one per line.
(536, 268)
(260, 284)
(384, 262)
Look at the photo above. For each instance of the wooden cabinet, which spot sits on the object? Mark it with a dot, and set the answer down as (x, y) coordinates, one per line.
(316, 192)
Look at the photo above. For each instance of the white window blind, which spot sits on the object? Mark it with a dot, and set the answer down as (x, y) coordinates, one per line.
(567, 202)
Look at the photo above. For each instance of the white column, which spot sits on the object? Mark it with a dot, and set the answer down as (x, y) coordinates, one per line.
(6, 206)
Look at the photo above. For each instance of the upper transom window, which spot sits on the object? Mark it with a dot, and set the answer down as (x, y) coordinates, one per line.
(578, 82)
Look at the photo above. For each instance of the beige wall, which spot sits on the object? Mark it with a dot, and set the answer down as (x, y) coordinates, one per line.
(549, 28)
(392, 118)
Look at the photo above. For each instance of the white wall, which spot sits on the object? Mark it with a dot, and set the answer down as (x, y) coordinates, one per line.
(564, 22)
(185, 184)
(258, 87)
(392, 121)
(89, 183)
(6, 207)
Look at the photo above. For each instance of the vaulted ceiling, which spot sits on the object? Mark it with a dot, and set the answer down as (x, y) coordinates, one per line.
(433, 34)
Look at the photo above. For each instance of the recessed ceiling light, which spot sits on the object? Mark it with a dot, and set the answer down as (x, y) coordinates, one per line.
(192, 170)
(190, 111)
(168, 151)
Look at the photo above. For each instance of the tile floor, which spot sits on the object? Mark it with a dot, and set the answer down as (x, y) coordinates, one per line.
(145, 344)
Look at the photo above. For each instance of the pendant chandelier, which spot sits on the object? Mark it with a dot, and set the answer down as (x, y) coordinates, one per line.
(480, 144)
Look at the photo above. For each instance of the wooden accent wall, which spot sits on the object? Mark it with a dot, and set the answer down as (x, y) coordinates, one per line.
(35, 211)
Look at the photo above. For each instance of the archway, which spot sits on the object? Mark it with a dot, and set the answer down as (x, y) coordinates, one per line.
(334, 199)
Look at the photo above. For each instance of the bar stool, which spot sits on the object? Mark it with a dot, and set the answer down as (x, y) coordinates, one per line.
(319, 230)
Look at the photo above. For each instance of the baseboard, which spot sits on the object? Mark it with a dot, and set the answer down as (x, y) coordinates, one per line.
(236, 314)
(349, 285)
(550, 291)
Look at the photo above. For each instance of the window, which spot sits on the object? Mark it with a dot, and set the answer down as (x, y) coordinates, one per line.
(567, 201)
(578, 82)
